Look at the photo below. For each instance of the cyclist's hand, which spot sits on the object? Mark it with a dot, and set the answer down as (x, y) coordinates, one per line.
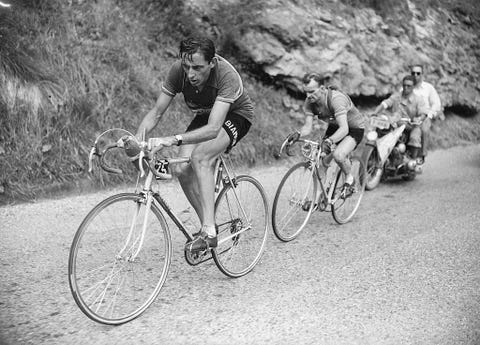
(156, 144)
(293, 137)
(327, 146)
(417, 120)
(130, 144)
(304, 131)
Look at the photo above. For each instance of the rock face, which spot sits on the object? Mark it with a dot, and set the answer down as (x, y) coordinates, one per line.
(361, 51)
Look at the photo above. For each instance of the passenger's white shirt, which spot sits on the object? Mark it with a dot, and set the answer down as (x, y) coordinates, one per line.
(430, 95)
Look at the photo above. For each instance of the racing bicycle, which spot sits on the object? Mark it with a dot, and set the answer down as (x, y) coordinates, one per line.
(121, 252)
(309, 186)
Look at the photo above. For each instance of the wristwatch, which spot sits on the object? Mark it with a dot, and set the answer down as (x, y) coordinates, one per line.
(179, 139)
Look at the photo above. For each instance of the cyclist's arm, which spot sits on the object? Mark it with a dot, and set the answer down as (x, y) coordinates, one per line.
(342, 130)
(212, 128)
(209, 131)
(154, 115)
(307, 126)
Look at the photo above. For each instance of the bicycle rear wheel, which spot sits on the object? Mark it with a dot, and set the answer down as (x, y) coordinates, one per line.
(347, 201)
(294, 201)
(241, 215)
(110, 282)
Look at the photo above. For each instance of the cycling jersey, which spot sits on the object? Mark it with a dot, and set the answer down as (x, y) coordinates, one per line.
(340, 104)
(224, 84)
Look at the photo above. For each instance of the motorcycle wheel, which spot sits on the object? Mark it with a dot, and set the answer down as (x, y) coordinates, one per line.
(374, 173)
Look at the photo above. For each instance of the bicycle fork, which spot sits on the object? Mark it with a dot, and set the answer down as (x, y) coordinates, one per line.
(138, 241)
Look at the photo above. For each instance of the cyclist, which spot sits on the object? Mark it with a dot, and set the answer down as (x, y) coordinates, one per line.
(407, 104)
(223, 113)
(345, 123)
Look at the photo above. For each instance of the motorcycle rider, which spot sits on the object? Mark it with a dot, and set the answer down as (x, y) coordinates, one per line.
(407, 104)
(345, 123)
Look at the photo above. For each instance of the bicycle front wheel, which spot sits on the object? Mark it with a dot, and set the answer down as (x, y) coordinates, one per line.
(294, 201)
(241, 215)
(347, 200)
(114, 271)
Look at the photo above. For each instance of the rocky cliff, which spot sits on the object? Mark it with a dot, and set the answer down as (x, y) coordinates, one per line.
(366, 50)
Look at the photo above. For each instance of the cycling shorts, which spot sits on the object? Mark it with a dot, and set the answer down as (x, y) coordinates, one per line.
(355, 133)
(235, 125)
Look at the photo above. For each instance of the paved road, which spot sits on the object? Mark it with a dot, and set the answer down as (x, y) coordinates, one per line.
(406, 270)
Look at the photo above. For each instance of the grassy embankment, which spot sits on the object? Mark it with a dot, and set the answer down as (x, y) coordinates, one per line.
(71, 70)
(77, 70)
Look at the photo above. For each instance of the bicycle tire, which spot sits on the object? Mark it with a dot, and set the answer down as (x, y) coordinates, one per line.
(292, 207)
(235, 256)
(106, 286)
(344, 208)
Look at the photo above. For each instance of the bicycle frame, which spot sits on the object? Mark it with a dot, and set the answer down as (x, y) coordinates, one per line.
(311, 150)
(223, 176)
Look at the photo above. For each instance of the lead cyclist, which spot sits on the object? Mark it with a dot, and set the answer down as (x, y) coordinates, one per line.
(223, 113)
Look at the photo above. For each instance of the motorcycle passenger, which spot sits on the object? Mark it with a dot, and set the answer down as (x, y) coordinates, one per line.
(345, 123)
(432, 100)
(406, 104)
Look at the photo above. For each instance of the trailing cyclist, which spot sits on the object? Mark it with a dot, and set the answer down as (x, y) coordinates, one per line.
(214, 91)
(345, 122)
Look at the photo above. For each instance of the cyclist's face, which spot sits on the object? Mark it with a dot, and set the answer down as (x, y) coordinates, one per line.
(313, 91)
(197, 69)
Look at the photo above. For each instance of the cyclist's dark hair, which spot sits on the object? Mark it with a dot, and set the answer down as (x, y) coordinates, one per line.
(408, 77)
(192, 45)
(313, 76)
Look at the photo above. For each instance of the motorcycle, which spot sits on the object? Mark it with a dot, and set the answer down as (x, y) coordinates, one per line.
(386, 153)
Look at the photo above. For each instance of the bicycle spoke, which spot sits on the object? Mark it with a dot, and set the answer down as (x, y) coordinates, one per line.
(294, 201)
(115, 275)
(346, 201)
(242, 226)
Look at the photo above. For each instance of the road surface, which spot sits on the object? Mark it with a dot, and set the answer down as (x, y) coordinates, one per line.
(406, 270)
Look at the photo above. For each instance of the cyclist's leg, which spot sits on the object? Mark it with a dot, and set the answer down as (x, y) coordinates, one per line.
(188, 180)
(332, 127)
(340, 155)
(204, 155)
(203, 159)
(184, 172)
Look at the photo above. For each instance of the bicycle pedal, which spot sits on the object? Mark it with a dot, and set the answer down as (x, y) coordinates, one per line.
(307, 204)
(195, 258)
(322, 205)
